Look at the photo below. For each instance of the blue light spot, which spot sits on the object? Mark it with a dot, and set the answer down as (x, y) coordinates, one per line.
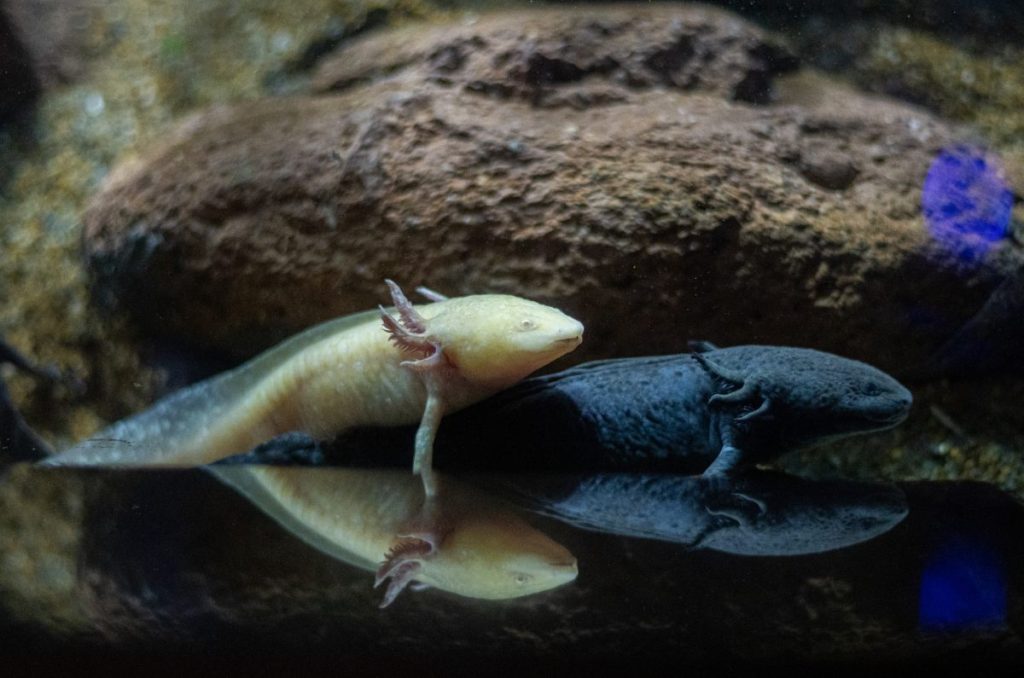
(963, 587)
(967, 202)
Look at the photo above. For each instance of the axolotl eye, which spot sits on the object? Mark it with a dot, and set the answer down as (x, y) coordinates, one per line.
(872, 390)
(525, 325)
(522, 579)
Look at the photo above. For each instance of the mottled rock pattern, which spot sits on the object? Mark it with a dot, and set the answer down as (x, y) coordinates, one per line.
(958, 79)
(550, 57)
(587, 159)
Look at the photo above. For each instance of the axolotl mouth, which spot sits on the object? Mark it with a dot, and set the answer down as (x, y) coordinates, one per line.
(889, 417)
(573, 341)
(888, 409)
(557, 341)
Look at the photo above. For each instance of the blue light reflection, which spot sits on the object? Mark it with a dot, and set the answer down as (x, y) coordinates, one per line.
(966, 201)
(963, 587)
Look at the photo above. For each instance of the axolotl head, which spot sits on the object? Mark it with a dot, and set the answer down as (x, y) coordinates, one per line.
(808, 396)
(494, 340)
(496, 555)
(478, 548)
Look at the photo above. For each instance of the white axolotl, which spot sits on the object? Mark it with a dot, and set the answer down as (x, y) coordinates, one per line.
(344, 373)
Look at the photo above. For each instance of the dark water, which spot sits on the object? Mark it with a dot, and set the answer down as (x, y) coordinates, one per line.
(916, 572)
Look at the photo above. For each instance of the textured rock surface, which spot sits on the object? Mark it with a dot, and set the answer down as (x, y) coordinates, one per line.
(549, 57)
(983, 85)
(580, 158)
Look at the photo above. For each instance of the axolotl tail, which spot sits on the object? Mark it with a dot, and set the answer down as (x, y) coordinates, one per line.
(160, 435)
(195, 425)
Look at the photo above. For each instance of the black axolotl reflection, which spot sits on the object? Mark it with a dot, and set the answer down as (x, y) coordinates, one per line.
(752, 512)
(713, 411)
(756, 513)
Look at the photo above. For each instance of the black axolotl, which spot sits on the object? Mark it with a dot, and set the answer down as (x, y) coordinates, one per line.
(711, 411)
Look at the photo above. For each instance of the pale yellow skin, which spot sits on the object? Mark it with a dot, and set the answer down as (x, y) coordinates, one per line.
(353, 515)
(338, 375)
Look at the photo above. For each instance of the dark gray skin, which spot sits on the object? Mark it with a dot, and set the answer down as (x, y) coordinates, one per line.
(796, 516)
(712, 411)
(768, 400)
(753, 512)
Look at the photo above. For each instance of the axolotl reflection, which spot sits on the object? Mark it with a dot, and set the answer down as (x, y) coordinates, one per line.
(485, 551)
(755, 513)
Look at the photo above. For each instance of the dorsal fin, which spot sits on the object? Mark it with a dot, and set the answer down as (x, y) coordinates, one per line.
(701, 346)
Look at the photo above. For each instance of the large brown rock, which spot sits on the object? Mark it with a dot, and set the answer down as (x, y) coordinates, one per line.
(575, 58)
(635, 166)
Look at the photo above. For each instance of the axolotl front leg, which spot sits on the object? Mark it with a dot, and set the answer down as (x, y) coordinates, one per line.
(731, 456)
(745, 395)
(409, 333)
(422, 535)
(461, 356)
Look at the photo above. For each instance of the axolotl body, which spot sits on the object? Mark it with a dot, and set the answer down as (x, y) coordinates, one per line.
(711, 411)
(486, 551)
(441, 357)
